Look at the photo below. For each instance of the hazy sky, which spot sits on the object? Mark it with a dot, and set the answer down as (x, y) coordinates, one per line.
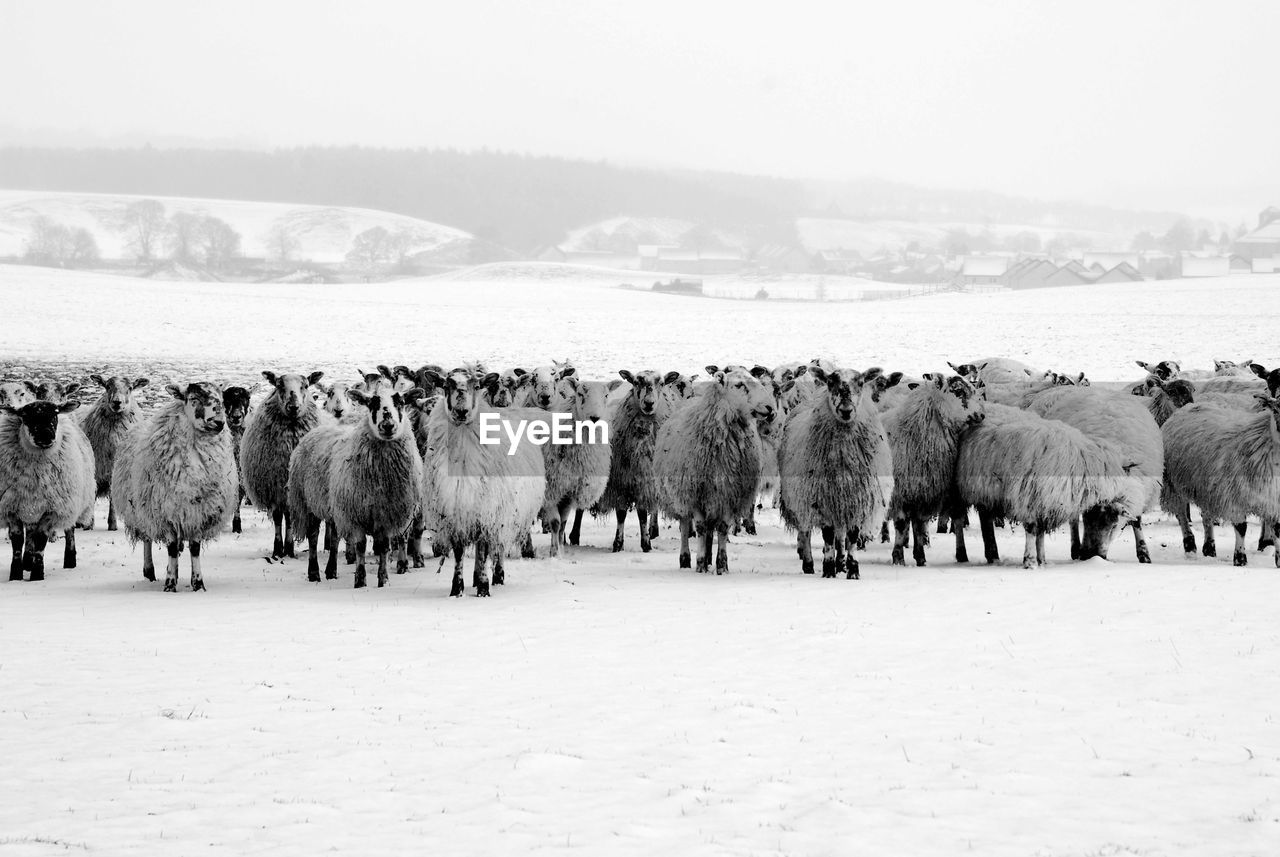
(1159, 104)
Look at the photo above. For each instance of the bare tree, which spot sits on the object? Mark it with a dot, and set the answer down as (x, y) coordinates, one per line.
(84, 247)
(281, 243)
(48, 244)
(183, 236)
(143, 224)
(371, 248)
(218, 242)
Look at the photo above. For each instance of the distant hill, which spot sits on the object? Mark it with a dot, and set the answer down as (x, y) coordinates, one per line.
(319, 233)
(869, 236)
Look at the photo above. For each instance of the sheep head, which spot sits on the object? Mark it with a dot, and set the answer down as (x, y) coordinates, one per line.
(51, 391)
(966, 370)
(40, 420)
(502, 392)
(844, 388)
(1272, 378)
(745, 392)
(291, 391)
(14, 394)
(880, 382)
(336, 398)
(682, 384)
(1164, 370)
(385, 417)
(587, 400)
(119, 390)
(644, 389)
(202, 405)
(462, 388)
(235, 404)
(545, 382)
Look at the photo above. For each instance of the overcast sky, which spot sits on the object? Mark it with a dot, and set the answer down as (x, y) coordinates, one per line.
(1159, 104)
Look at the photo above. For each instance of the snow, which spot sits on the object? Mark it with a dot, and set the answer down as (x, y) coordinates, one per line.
(870, 236)
(321, 233)
(614, 704)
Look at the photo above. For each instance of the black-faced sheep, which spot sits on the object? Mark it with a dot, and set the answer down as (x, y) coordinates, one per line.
(633, 435)
(174, 479)
(707, 462)
(366, 479)
(270, 436)
(235, 405)
(924, 437)
(106, 424)
(46, 482)
(837, 470)
(474, 492)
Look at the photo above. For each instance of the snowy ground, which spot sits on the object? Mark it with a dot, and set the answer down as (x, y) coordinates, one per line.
(616, 704)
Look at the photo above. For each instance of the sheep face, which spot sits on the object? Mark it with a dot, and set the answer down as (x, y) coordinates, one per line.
(682, 384)
(235, 404)
(1180, 392)
(51, 391)
(202, 406)
(385, 412)
(336, 398)
(14, 395)
(745, 392)
(545, 382)
(291, 390)
(844, 388)
(882, 382)
(502, 392)
(586, 399)
(961, 388)
(462, 393)
(118, 391)
(1164, 370)
(1272, 378)
(645, 389)
(40, 420)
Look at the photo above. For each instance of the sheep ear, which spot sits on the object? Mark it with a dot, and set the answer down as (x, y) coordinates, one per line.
(413, 395)
(139, 383)
(403, 370)
(385, 372)
(818, 374)
(711, 368)
(873, 372)
(801, 369)
(314, 378)
(70, 388)
(177, 392)
(671, 377)
(31, 388)
(1255, 367)
(491, 380)
(911, 385)
(615, 384)
(954, 368)
(270, 376)
(1219, 364)
(627, 376)
(894, 378)
(68, 406)
(693, 377)
(759, 371)
(358, 396)
(1145, 365)
(567, 372)
(434, 377)
(99, 380)
(940, 381)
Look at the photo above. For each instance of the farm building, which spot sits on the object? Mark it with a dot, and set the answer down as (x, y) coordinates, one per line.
(983, 270)
(783, 259)
(1121, 273)
(1263, 242)
(837, 261)
(599, 258)
(681, 261)
(1109, 260)
(1204, 266)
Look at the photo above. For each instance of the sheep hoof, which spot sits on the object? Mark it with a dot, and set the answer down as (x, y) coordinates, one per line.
(1144, 555)
(962, 555)
(235, 525)
(482, 591)
(402, 566)
(197, 586)
(1189, 545)
(418, 562)
(703, 566)
(806, 565)
(920, 561)
(1028, 562)
(1075, 552)
(313, 575)
(617, 544)
(898, 557)
(170, 585)
(499, 578)
(360, 578)
(1210, 549)
(149, 574)
(1240, 558)
(853, 573)
(684, 563)
(69, 559)
(457, 590)
(645, 546)
(828, 568)
(37, 574)
(330, 575)
(15, 572)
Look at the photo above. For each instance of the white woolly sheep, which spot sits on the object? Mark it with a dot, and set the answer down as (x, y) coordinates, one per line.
(365, 480)
(46, 482)
(994, 370)
(15, 394)
(270, 436)
(576, 473)
(707, 462)
(837, 470)
(236, 406)
(174, 479)
(1016, 464)
(106, 424)
(478, 493)
(924, 438)
(1124, 423)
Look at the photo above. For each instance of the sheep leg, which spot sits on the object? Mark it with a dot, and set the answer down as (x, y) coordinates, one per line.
(957, 516)
(313, 548)
(685, 532)
(171, 569)
(555, 536)
(398, 544)
(480, 577)
(828, 551)
(148, 564)
(839, 543)
(1183, 514)
(458, 587)
(703, 562)
(1075, 539)
(899, 541)
(34, 560)
(288, 537)
(197, 579)
(804, 548)
(361, 545)
(277, 546)
(850, 563)
(332, 542)
(1040, 560)
(653, 526)
(1266, 538)
(1140, 541)
(1241, 556)
(416, 530)
(576, 533)
(69, 547)
(708, 535)
(749, 523)
(722, 547)
(1275, 536)
(526, 545)
(235, 519)
(17, 538)
(1210, 546)
(499, 573)
(1029, 549)
(619, 535)
(646, 540)
(884, 531)
(111, 513)
(920, 533)
(381, 548)
(942, 525)
(987, 526)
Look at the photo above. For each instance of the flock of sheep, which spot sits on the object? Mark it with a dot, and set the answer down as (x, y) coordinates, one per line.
(398, 455)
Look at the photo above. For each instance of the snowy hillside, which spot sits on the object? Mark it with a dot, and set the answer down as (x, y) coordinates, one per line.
(867, 237)
(665, 231)
(320, 233)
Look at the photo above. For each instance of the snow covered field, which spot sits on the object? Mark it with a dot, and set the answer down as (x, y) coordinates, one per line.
(614, 704)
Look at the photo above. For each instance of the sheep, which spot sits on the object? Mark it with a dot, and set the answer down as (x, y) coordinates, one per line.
(539, 388)
(15, 394)
(633, 434)
(235, 404)
(1044, 473)
(106, 425)
(174, 479)
(270, 435)
(770, 431)
(363, 480)
(1231, 384)
(1114, 419)
(707, 462)
(837, 470)
(1230, 367)
(336, 403)
(46, 481)
(478, 493)
(1226, 462)
(994, 370)
(502, 393)
(576, 473)
(924, 439)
